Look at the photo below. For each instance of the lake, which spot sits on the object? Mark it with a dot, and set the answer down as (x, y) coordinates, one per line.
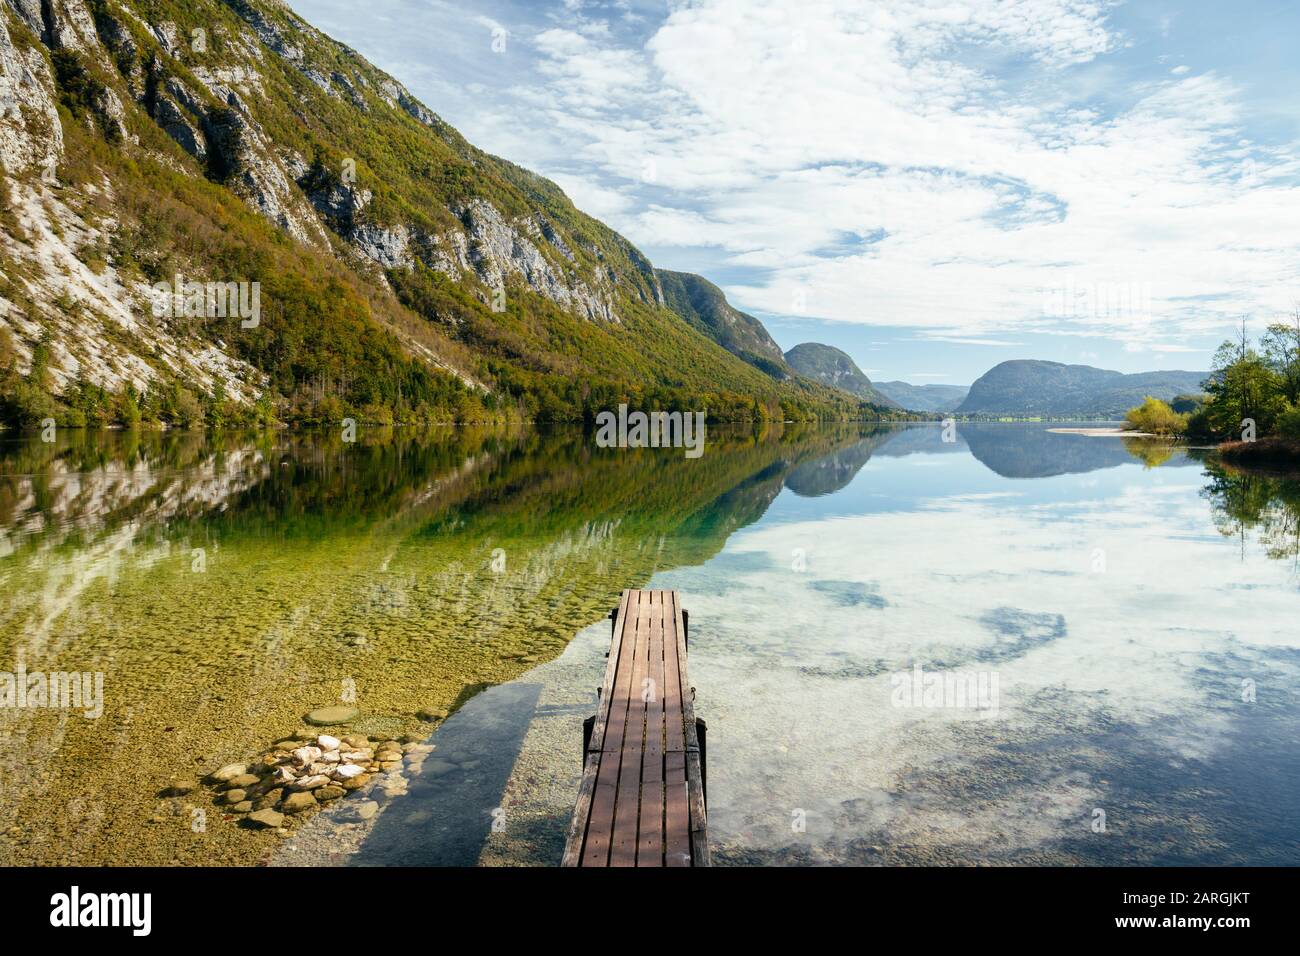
(1017, 646)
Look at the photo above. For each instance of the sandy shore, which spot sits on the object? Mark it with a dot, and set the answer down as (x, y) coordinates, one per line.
(1101, 432)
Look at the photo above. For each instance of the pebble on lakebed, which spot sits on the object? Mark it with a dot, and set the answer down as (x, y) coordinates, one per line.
(300, 774)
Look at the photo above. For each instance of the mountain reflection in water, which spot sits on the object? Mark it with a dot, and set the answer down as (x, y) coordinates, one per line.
(452, 570)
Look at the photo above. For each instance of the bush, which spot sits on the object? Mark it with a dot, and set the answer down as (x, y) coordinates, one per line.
(1288, 423)
(32, 405)
(1155, 417)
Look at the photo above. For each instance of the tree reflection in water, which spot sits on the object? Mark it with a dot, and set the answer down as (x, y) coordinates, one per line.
(1267, 505)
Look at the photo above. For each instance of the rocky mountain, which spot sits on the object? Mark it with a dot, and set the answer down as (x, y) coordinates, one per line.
(211, 211)
(1030, 387)
(830, 366)
(924, 398)
(703, 305)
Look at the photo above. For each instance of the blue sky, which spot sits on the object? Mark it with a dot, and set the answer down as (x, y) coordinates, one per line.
(934, 186)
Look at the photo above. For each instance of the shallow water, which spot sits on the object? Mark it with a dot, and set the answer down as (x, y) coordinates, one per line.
(1127, 610)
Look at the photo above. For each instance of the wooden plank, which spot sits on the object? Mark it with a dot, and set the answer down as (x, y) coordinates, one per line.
(578, 826)
(694, 771)
(699, 838)
(611, 670)
(677, 816)
(674, 656)
(650, 840)
(627, 814)
(604, 800)
(581, 812)
(611, 738)
(688, 695)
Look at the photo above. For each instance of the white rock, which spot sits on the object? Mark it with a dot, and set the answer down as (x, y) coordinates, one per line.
(326, 742)
(230, 771)
(310, 783)
(331, 757)
(306, 755)
(284, 775)
(344, 771)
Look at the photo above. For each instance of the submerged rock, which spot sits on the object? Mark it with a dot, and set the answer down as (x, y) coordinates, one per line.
(229, 772)
(324, 716)
(179, 787)
(298, 802)
(267, 819)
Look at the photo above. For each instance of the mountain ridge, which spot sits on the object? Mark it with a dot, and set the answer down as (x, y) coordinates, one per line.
(924, 398)
(834, 367)
(705, 306)
(1027, 387)
(404, 273)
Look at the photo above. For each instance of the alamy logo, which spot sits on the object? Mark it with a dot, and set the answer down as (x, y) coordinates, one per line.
(1098, 300)
(56, 690)
(208, 300)
(973, 690)
(651, 430)
(103, 909)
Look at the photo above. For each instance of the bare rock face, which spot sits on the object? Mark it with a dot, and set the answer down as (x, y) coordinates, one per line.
(498, 250)
(488, 248)
(112, 114)
(64, 25)
(341, 205)
(117, 38)
(245, 160)
(388, 246)
(31, 136)
(75, 28)
(175, 124)
(397, 96)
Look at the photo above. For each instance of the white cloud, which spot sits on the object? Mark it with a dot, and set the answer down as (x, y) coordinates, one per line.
(949, 165)
(861, 154)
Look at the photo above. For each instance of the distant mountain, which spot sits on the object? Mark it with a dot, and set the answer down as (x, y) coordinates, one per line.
(924, 398)
(830, 366)
(1034, 387)
(703, 305)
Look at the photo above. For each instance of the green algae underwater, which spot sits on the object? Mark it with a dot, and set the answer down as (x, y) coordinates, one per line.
(226, 584)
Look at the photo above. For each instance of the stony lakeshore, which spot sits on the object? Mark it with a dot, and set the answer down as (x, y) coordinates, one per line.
(299, 775)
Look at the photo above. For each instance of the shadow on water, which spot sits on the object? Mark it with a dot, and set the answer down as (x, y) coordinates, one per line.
(456, 795)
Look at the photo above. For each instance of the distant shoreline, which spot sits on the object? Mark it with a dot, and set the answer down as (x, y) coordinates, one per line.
(1102, 432)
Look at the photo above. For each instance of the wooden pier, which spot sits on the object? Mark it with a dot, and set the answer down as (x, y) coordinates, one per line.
(642, 799)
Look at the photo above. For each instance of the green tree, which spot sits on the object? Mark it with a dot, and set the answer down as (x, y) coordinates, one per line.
(1156, 418)
(1243, 385)
(1281, 348)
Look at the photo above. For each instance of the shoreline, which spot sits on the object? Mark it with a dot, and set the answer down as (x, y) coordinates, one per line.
(1102, 432)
